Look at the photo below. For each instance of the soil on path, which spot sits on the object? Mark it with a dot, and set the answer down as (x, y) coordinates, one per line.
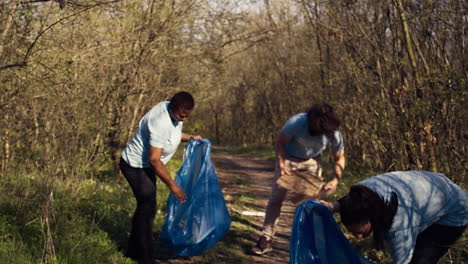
(258, 174)
(251, 176)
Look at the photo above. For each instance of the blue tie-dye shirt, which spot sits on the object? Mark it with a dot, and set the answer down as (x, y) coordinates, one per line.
(424, 198)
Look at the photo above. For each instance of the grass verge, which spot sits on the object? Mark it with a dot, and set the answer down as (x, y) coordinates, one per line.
(86, 219)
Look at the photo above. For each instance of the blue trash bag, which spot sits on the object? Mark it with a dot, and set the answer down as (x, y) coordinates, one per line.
(317, 239)
(193, 227)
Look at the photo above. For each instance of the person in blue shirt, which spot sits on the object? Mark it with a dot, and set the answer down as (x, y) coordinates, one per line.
(152, 146)
(298, 148)
(420, 214)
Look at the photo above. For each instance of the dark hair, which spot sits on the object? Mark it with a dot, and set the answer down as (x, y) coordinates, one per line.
(322, 120)
(181, 100)
(362, 204)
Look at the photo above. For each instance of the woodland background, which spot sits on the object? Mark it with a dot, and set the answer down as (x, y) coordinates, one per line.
(77, 75)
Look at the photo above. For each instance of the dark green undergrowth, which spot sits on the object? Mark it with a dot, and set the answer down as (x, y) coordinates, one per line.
(48, 220)
(57, 219)
(87, 218)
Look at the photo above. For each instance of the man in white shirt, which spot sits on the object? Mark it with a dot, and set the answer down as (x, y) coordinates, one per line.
(152, 146)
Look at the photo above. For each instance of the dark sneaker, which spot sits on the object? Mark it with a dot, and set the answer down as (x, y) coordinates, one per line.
(263, 246)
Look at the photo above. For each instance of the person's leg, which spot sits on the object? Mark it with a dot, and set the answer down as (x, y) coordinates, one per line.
(142, 182)
(272, 214)
(273, 209)
(434, 242)
(278, 193)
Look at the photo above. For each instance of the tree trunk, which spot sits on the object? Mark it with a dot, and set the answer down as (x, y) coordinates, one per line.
(409, 46)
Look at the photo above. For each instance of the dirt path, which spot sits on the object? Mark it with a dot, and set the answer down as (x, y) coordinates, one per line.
(258, 174)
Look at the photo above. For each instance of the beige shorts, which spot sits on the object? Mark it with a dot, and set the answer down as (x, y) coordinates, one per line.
(305, 181)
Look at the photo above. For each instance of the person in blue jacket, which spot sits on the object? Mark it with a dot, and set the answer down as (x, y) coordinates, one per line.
(420, 214)
(152, 146)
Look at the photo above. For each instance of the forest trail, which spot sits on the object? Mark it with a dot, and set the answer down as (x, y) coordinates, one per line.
(257, 172)
(250, 176)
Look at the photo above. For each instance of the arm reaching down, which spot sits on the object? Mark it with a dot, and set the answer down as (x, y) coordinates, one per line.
(163, 174)
(280, 152)
(338, 168)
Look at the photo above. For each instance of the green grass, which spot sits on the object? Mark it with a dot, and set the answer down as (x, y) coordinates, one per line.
(265, 152)
(87, 219)
(62, 220)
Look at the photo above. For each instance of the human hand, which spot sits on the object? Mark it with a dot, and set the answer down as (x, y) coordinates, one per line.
(331, 185)
(326, 204)
(192, 137)
(178, 193)
(283, 169)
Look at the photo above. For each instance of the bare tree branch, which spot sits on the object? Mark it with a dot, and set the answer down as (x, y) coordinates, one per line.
(14, 65)
(25, 60)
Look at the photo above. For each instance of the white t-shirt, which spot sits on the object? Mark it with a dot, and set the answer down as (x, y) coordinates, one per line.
(157, 129)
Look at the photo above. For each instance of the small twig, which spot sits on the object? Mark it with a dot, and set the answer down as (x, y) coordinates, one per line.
(32, 221)
(22, 65)
(5, 236)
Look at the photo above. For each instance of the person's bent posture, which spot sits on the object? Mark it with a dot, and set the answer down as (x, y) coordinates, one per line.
(420, 214)
(298, 148)
(152, 146)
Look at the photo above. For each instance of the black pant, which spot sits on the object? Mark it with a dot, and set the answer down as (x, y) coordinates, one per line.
(434, 242)
(143, 183)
